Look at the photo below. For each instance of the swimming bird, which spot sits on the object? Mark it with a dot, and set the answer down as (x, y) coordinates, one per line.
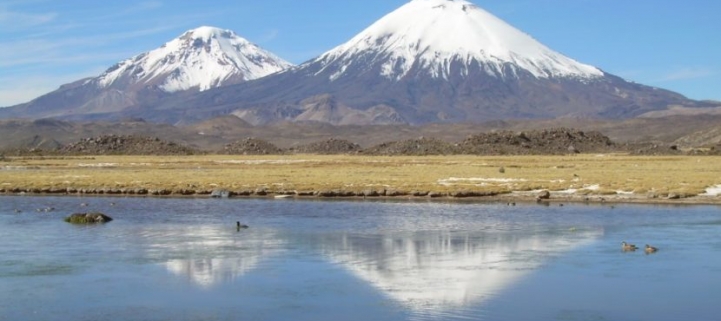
(240, 226)
(650, 249)
(628, 247)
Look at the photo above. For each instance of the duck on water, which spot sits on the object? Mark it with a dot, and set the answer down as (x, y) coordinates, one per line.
(628, 247)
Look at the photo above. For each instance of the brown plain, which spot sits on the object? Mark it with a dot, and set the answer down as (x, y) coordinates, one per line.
(649, 178)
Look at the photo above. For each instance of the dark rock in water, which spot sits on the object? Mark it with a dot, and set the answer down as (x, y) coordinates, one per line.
(220, 193)
(544, 195)
(88, 218)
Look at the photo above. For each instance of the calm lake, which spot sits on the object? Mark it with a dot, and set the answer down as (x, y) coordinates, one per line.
(183, 259)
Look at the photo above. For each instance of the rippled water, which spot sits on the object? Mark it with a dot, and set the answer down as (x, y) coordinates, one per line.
(183, 259)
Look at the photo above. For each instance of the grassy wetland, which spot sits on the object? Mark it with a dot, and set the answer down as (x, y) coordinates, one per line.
(587, 177)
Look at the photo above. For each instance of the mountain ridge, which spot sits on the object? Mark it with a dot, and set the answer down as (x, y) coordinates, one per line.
(380, 73)
(429, 61)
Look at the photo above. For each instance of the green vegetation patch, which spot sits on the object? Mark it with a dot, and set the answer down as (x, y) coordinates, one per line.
(88, 218)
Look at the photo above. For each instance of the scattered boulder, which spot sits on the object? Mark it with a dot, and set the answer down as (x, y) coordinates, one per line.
(556, 141)
(651, 149)
(543, 195)
(220, 193)
(88, 218)
(251, 146)
(329, 147)
(125, 145)
(414, 147)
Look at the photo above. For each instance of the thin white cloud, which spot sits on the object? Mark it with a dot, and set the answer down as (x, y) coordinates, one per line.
(147, 5)
(13, 20)
(269, 36)
(687, 73)
(133, 9)
(64, 50)
(20, 89)
(39, 46)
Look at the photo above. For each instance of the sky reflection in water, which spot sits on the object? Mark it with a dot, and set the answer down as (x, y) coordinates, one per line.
(304, 260)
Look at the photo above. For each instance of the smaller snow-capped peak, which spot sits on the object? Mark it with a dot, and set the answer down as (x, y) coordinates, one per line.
(202, 58)
(434, 34)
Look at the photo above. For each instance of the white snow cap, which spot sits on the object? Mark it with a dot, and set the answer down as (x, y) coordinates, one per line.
(201, 58)
(435, 33)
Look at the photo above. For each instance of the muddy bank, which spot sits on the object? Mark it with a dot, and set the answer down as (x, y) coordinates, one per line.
(553, 198)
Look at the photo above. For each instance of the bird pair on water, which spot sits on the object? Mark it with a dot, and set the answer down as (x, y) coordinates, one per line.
(631, 247)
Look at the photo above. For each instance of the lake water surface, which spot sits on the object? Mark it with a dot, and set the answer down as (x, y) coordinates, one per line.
(183, 259)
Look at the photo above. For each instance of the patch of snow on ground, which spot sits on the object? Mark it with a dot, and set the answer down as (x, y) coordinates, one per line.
(574, 190)
(98, 165)
(479, 181)
(260, 162)
(713, 191)
(18, 168)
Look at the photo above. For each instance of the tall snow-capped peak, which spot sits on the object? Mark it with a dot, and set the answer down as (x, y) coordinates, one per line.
(201, 58)
(434, 34)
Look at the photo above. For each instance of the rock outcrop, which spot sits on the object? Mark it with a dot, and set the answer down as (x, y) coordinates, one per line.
(88, 218)
(252, 146)
(125, 145)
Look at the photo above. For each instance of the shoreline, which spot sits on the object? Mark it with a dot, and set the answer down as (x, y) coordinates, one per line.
(556, 198)
(585, 178)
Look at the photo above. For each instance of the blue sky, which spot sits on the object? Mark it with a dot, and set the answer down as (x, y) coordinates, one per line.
(45, 43)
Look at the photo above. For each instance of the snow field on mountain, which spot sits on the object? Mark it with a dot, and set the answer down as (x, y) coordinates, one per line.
(201, 58)
(435, 34)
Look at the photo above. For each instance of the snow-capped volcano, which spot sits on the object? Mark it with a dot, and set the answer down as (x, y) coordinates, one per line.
(436, 34)
(198, 60)
(430, 61)
(201, 58)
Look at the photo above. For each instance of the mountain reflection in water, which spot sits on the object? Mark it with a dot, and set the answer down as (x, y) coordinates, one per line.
(210, 255)
(429, 270)
(183, 259)
(437, 271)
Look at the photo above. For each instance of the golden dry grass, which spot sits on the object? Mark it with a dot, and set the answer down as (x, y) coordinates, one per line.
(589, 174)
